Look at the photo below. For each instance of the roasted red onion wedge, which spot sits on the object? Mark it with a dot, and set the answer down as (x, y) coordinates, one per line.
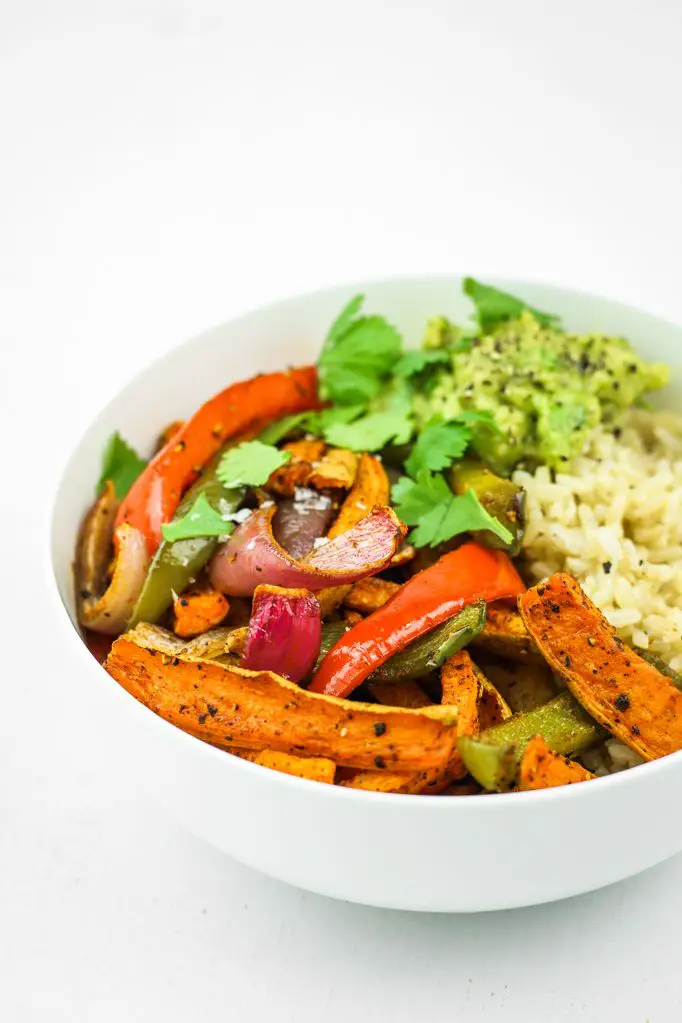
(252, 555)
(301, 520)
(284, 632)
(106, 606)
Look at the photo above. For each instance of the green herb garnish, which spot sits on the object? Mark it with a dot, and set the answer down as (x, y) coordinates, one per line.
(250, 464)
(121, 464)
(358, 356)
(429, 504)
(200, 520)
(494, 307)
(417, 360)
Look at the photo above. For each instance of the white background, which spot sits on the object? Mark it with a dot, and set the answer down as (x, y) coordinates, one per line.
(163, 167)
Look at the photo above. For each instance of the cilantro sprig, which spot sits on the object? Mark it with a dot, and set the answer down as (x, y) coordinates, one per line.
(358, 356)
(250, 464)
(200, 520)
(494, 307)
(438, 514)
(121, 464)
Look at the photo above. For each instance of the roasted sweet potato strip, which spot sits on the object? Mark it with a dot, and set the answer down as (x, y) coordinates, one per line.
(337, 469)
(633, 700)
(369, 595)
(540, 768)
(259, 710)
(505, 635)
(197, 611)
(313, 768)
(371, 488)
(461, 688)
(306, 450)
(296, 472)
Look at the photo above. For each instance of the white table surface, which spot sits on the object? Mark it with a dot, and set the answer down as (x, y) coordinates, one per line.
(164, 166)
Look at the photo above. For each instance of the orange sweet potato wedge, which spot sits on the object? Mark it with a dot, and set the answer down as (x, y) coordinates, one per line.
(228, 706)
(312, 768)
(370, 594)
(197, 611)
(540, 768)
(336, 469)
(371, 488)
(306, 450)
(461, 689)
(628, 696)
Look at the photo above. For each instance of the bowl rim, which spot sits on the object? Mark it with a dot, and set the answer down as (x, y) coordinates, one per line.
(462, 805)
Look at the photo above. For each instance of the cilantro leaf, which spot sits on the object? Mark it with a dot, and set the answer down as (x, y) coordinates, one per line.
(200, 520)
(387, 419)
(319, 422)
(416, 361)
(371, 432)
(358, 355)
(344, 320)
(439, 515)
(415, 498)
(121, 464)
(494, 307)
(250, 464)
(463, 513)
(438, 444)
(280, 428)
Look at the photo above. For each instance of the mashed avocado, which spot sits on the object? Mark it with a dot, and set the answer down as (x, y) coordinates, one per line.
(546, 389)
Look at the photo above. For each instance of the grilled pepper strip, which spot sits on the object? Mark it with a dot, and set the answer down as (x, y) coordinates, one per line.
(463, 576)
(503, 499)
(494, 757)
(244, 407)
(175, 564)
(431, 650)
(426, 653)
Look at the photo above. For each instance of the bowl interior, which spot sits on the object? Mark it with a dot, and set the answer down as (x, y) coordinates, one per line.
(289, 333)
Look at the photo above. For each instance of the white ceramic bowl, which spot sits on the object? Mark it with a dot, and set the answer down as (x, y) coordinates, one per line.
(407, 852)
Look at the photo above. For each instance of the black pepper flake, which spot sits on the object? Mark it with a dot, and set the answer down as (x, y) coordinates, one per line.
(175, 662)
(567, 661)
(555, 608)
(211, 709)
(379, 762)
(622, 701)
(184, 602)
(379, 728)
(201, 718)
(182, 708)
(635, 729)
(85, 594)
(607, 566)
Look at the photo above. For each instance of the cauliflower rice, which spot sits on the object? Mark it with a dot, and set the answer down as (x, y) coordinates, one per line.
(614, 520)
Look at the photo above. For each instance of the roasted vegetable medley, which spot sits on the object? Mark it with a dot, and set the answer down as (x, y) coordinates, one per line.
(324, 570)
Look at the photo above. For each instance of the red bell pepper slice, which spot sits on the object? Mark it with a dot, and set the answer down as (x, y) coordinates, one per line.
(246, 407)
(470, 573)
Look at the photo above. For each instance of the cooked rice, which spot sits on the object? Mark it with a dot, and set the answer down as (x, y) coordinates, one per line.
(614, 521)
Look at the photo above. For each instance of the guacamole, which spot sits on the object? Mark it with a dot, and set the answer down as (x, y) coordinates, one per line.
(546, 389)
